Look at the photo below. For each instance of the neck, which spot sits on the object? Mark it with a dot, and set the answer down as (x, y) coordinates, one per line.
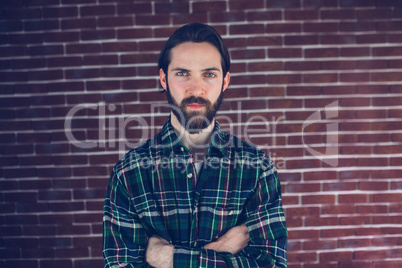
(198, 142)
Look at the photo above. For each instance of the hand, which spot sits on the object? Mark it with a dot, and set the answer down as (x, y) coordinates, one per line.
(159, 252)
(233, 241)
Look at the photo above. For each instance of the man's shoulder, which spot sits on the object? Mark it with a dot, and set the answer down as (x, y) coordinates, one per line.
(240, 146)
(136, 156)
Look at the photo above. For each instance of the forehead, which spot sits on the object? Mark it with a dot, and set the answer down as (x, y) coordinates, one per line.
(190, 54)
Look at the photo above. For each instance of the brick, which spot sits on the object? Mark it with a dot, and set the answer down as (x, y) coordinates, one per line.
(152, 19)
(32, 207)
(20, 173)
(88, 263)
(54, 195)
(60, 242)
(316, 27)
(284, 79)
(97, 34)
(338, 209)
(357, 3)
(318, 3)
(381, 198)
(355, 77)
(301, 15)
(265, 41)
(82, 73)
(22, 13)
(172, 8)
(14, 76)
(371, 38)
(252, 79)
(11, 26)
(89, 241)
(318, 199)
(337, 233)
(87, 23)
(264, 15)
(284, 28)
(41, 25)
(355, 52)
(99, 10)
(388, 264)
(60, 219)
(60, 12)
(27, 63)
(284, 53)
(181, 19)
(248, 54)
(74, 229)
(151, 46)
(71, 253)
(247, 29)
(388, 26)
(319, 245)
(21, 263)
(338, 14)
(134, 8)
(115, 21)
(302, 65)
(387, 241)
(320, 78)
(66, 206)
(212, 6)
(45, 75)
(83, 48)
(322, 221)
(389, 76)
(13, 51)
(303, 211)
(63, 86)
(338, 256)
(59, 263)
(63, 62)
(284, 4)
(352, 198)
(356, 220)
(46, 50)
(302, 257)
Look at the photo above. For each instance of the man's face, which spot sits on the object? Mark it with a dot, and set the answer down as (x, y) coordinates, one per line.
(194, 84)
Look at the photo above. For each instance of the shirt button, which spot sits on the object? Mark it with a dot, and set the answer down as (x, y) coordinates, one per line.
(231, 212)
(182, 149)
(190, 175)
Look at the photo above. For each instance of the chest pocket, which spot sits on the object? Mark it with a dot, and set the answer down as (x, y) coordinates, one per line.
(214, 221)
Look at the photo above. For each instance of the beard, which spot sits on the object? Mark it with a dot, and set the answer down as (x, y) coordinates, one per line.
(194, 121)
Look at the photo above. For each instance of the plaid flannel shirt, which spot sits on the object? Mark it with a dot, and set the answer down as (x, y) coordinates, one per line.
(155, 189)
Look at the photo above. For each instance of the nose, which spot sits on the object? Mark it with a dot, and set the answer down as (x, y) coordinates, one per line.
(196, 87)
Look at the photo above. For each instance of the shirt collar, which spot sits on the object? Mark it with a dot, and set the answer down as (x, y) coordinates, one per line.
(170, 141)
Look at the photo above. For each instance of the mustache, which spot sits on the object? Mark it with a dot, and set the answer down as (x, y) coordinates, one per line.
(194, 99)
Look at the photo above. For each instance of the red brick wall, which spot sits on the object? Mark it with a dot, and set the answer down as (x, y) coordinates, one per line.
(316, 83)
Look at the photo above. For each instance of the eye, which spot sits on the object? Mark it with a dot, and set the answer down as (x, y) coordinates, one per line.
(182, 73)
(210, 75)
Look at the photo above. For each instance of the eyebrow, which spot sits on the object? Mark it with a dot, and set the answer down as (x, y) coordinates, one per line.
(204, 70)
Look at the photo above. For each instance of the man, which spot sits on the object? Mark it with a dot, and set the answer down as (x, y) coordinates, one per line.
(193, 195)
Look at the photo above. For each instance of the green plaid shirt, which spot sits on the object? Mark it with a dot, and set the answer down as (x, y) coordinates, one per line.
(155, 189)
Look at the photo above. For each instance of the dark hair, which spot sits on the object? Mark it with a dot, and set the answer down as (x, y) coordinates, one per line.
(197, 33)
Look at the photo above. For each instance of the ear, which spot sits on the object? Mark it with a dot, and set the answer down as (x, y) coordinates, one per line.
(226, 81)
(162, 78)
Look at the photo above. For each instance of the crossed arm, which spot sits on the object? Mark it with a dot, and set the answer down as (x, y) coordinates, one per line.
(263, 244)
(159, 252)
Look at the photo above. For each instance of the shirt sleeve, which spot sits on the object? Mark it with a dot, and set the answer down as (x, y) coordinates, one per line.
(265, 221)
(124, 237)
